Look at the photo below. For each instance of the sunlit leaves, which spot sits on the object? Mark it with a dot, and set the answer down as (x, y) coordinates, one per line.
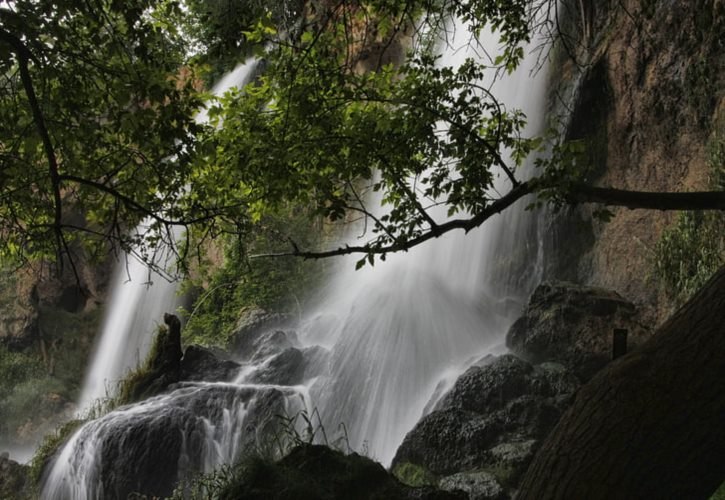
(316, 130)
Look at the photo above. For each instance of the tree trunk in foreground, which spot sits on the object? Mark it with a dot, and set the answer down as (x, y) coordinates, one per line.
(649, 425)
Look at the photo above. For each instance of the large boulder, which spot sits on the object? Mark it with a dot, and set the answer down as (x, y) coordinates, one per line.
(313, 471)
(291, 366)
(573, 325)
(491, 421)
(200, 363)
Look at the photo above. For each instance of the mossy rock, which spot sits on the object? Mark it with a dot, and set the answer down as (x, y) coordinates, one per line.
(414, 475)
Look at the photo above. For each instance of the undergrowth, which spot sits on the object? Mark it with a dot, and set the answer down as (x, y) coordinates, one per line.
(274, 283)
(693, 249)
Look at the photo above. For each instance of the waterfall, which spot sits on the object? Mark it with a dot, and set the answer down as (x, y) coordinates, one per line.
(384, 343)
(399, 333)
(138, 299)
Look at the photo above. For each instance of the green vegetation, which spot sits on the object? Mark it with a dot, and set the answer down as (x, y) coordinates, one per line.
(308, 471)
(38, 382)
(690, 251)
(140, 382)
(24, 382)
(719, 494)
(101, 97)
(279, 285)
(68, 338)
(216, 29)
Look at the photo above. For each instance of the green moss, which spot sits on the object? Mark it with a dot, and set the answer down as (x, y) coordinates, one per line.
(414, 475)
(139, 384)
(50, 445)
(508, 477)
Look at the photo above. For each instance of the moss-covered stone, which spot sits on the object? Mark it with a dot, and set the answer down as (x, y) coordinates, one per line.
(414, 475)
(161, 368)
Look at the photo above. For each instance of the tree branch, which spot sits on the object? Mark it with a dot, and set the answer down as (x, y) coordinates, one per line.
(24, 55)
(494, 208)
(704, 200)
(580, 193)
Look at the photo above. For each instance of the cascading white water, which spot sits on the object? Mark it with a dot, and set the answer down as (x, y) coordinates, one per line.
(395, 331)
(138, 299)
(396, 336)
(151, 445)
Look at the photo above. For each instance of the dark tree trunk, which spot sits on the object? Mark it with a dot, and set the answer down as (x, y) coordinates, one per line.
(652, 423)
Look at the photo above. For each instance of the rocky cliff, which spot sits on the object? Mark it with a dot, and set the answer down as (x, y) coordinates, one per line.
(648, 104)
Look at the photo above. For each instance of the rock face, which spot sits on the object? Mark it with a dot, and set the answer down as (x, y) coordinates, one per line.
(489, 425)
(13, 478)
(19, 319)
(650, 97)
(573, 325)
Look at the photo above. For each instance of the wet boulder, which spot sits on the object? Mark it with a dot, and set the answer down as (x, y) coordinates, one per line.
(292, 366)
(492, 421)
(146, 448)
(200, 363)
(573, 325)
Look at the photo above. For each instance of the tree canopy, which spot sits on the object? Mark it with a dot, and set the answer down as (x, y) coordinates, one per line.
(98, 118)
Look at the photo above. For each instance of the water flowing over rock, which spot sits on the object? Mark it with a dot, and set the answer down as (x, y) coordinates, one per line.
(149, 446)
(139, 297)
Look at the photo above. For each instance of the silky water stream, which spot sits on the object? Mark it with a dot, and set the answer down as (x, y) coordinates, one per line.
(381, 345)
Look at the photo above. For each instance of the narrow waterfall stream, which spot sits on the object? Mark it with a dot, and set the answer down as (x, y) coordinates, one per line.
(385, 341)
(138, 300)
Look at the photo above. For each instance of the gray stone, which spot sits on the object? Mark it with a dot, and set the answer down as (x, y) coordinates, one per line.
(200, 363)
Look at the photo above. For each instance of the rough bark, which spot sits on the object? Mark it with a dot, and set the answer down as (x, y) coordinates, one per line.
(650, 425)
